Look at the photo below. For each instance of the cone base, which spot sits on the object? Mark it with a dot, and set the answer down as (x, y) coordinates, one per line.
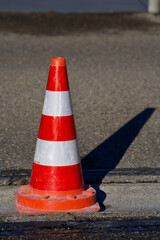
(30, 201)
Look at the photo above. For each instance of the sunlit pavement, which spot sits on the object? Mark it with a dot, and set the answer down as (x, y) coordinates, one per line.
(113, 70)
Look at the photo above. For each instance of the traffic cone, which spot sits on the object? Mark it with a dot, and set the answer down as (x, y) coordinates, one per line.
(56, 183)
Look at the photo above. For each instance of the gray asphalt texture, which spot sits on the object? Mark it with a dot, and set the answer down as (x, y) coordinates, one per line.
(126, 229)
(46, 234)
(113, 63)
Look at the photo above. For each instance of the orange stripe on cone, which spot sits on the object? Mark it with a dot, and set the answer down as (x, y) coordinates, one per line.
(56, 183)
(57, 128)
(43, 178)
(59, 73)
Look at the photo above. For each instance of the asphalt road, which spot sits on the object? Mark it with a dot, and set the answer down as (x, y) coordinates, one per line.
(72, 6)
(113, 65)
(132, 229)
(113, 68)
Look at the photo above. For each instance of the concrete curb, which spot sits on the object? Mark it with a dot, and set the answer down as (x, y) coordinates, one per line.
(117, 201)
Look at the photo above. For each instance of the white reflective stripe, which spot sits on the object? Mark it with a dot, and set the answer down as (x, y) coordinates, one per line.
(57, 103)
(56, 153)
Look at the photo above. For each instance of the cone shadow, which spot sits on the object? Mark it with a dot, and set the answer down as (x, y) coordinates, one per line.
(109, 153)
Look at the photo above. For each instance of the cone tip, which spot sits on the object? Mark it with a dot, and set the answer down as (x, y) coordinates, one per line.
(58, 61)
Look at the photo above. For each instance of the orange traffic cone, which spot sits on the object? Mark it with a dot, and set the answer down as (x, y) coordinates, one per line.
(56, 183)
